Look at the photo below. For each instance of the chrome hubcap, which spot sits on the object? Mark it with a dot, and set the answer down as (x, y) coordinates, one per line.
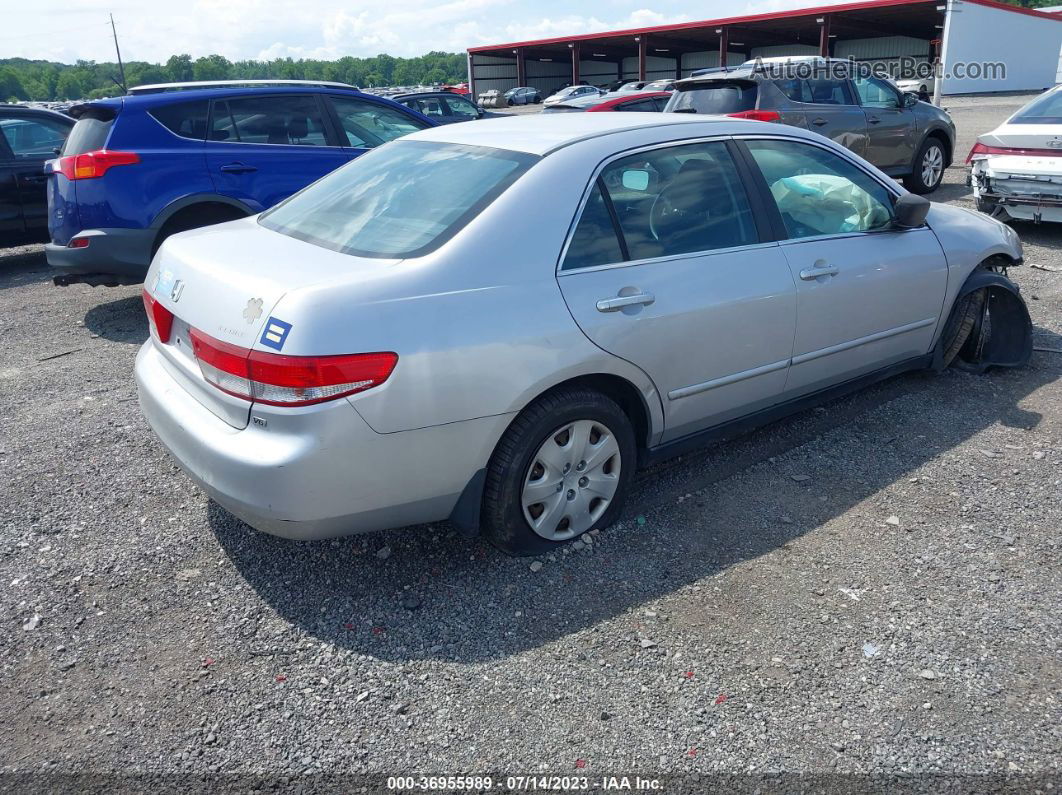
(932, 165)
(572, 480)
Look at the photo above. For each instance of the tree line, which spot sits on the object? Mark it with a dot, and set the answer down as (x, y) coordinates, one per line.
(23, 79)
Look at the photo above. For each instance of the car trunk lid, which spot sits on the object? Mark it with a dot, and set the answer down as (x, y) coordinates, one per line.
(224, 281)
(1044, 137)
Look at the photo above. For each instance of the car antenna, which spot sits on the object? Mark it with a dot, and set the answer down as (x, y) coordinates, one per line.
(121, 68)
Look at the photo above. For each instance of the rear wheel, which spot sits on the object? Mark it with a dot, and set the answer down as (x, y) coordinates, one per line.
(928, 167)
(195, 217)
(562, 468)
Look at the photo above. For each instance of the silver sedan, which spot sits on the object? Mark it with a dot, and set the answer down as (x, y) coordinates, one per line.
(366, 355)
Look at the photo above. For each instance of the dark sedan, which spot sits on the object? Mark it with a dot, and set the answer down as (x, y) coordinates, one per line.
(28, 137)
(444, 107)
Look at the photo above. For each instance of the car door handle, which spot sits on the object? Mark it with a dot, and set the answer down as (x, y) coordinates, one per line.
(619, 302)
(34, 177)
(819, 121)
(873, 119)
(238, 168)
(811, 274)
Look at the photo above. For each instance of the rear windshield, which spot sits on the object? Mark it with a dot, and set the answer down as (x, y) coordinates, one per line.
(401, 200)
(714, 97)
(1046, 109)
(90, 133)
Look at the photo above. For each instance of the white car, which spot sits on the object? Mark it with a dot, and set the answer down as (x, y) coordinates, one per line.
(572, 92)
(916, 85)
(1016, 170)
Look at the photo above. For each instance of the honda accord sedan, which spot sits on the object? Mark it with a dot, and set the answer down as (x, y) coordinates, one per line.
(365, 355)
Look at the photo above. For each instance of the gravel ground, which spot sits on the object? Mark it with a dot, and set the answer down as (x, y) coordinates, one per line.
(871, 587)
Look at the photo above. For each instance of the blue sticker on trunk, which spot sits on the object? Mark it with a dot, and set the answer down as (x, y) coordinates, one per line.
(275, 333)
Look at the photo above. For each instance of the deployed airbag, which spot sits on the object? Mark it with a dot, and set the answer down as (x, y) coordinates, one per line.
(828, 203)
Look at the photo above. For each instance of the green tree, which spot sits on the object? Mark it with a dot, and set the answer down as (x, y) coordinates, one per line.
(68, 86)
(179, 68)
(11, 85)
(212, 67)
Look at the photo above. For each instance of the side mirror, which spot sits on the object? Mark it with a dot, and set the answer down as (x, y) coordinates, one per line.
(910, 99)
(910, 211)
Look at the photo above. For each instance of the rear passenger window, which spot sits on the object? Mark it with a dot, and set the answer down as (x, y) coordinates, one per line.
(432, 107)
(186, 119)
(815, 91)
(594, 241)
(818, 192)
(291, 120)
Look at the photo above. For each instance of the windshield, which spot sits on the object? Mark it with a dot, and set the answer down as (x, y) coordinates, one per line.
(403, 199)
(1045, 109)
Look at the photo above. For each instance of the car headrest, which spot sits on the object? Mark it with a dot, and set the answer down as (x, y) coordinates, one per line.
(298, 127)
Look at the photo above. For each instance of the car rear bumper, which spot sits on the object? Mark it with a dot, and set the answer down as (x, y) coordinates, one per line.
(315, 472)
(113, 256)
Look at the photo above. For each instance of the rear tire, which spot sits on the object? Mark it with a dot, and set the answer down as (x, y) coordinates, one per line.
(573, 448)
(195, 217)
(928, 167)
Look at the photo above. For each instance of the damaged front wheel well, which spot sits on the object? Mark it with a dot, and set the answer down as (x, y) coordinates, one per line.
(994, 319)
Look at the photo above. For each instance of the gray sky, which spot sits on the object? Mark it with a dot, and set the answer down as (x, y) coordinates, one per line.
(152, 30)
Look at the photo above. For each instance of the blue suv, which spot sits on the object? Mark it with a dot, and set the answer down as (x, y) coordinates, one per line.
(164, 159)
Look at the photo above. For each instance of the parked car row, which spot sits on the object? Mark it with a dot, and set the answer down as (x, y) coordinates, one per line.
(593, 352)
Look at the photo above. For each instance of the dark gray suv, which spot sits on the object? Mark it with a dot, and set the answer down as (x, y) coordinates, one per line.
(907, 139)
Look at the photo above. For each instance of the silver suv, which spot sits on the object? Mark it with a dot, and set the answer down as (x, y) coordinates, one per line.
(907, 139)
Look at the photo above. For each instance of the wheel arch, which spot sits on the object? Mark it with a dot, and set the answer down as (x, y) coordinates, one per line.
(196, 203)
(196, 200)
(945, 141)
(465, 515)
(1010, 342)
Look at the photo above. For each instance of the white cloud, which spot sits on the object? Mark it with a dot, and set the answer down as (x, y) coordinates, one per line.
(238, 29)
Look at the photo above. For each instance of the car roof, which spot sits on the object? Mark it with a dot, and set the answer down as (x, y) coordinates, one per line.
(426, 94)
(542, 133)
(152, 100)
(26, 109)
(630, 96)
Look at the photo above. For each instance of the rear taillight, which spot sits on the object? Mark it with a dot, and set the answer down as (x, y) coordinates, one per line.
(984, 149)
(279, 380)
(160, 317)
(91, 165)
(758, 115)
